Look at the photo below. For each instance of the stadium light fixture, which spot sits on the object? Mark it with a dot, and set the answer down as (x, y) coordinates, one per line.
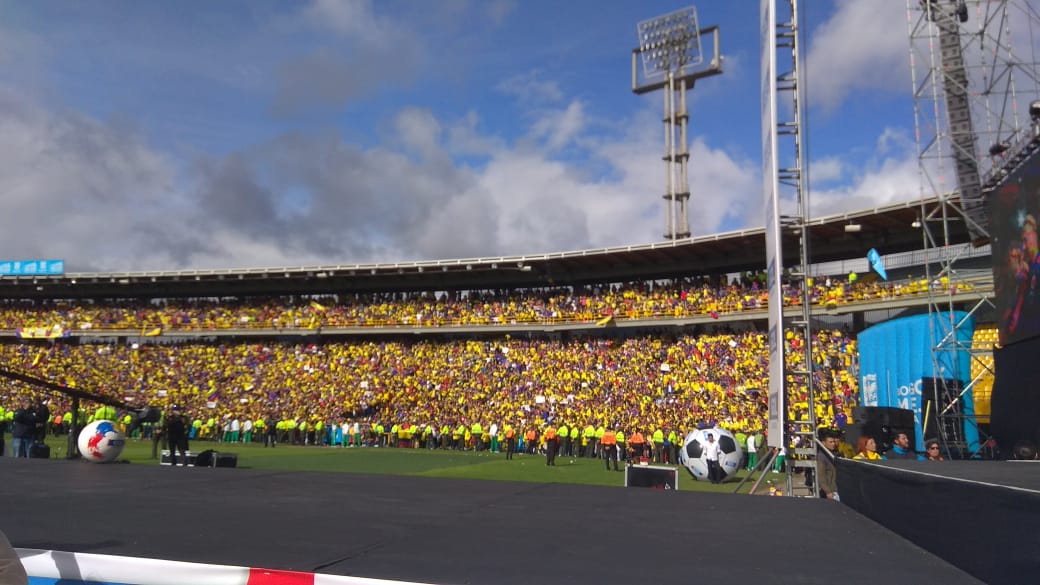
(916, 223)
(853, 228)
(670, 43)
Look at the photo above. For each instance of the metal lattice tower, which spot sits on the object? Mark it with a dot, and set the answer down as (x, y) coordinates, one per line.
(673, 60)
(974, 72)
(785, 174)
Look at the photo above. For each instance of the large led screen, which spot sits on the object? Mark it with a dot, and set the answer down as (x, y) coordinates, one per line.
(1014, 213)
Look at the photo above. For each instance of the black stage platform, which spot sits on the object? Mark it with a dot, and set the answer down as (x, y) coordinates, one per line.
(1023, 475)
(450, 531)
(981, 516)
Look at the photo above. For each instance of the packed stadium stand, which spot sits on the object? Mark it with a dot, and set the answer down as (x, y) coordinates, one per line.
(643, 338)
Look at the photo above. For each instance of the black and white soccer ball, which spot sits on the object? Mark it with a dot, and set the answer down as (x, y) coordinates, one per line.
(692, 454)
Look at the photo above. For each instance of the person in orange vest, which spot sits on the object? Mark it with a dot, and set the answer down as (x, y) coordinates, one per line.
(531, 441)
(551, 445)
(636, 443)
(609, 446)
(510, 442)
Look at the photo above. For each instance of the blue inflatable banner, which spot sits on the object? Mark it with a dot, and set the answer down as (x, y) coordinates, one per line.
(896, 356)
(877, 263)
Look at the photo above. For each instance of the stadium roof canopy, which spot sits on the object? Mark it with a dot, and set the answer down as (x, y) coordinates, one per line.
(888, 229)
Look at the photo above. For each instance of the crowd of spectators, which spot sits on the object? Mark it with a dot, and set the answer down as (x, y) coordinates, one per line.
(685, 298)
(642, 383)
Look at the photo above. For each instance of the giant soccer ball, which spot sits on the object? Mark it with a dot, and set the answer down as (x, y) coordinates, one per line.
(100, 442)
(692, 454)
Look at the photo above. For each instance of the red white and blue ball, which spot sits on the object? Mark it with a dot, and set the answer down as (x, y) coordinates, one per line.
(693, 456)
(100, 442)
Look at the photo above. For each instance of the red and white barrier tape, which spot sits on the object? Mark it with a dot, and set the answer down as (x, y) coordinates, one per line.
(52, 564)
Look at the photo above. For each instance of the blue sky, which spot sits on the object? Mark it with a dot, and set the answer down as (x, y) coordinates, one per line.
(158, 135)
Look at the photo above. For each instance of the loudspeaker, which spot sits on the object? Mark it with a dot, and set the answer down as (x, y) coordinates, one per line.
(1016, 395)
(211, 458)
(39, 451)
(652, 476)
(882, 423)
(205, 458)
(226, 460)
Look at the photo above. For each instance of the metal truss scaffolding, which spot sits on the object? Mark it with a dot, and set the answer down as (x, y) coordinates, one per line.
(973, 70)
(792, 389)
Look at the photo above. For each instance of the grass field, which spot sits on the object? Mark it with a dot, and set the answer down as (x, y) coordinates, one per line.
(412, 462)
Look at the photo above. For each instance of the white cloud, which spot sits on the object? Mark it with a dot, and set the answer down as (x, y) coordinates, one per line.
(530, 88)
(106, 200)
(895, 181)
(79, 189)
(464, 138)
(498, 10)
(557, 128)
(826, 170)
(420, 130)
(354, 19)
(892, 178)
(368, 54)
(863, 46)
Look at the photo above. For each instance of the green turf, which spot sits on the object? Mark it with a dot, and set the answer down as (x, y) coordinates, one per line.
(417, 462)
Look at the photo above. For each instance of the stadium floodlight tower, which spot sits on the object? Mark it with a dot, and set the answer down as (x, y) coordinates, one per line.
(672, 59)
(974, 72)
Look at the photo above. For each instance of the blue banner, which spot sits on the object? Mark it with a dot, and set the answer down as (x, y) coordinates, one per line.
(895, 357)
(32, 267)
(877, 263)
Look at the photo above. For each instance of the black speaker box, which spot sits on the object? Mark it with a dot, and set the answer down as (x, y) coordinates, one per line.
(211, 458)
(652, 476)
(205, 458)
(39, 451)
(226, 460)
(882, 423)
